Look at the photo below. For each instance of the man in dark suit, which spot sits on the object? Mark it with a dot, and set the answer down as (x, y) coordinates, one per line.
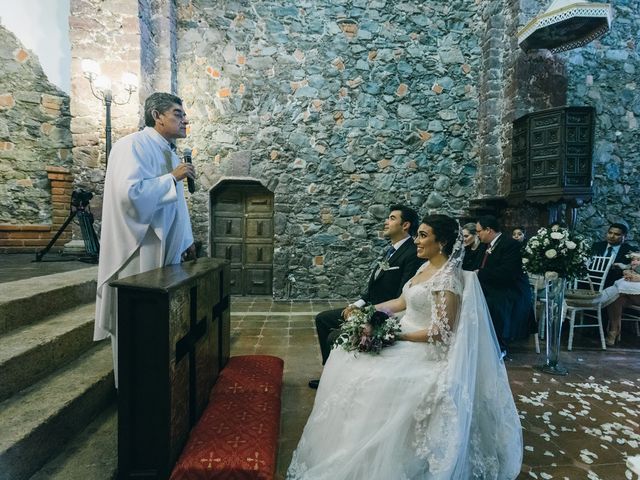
(397, 265)
(614, 246)
(505, 285)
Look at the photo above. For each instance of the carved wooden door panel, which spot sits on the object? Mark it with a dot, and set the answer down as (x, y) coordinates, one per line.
(546, 149)
(242, 232)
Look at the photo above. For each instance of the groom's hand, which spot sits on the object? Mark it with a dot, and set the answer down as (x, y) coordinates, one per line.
(348, 311)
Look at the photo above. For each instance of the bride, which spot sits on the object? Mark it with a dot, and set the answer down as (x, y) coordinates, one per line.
(436, 404)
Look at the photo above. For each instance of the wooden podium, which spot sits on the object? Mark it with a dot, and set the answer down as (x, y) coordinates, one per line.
(174, 338)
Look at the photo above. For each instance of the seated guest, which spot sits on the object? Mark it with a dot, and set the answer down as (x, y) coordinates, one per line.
(505, 285)
(519, 235)
(614, 246)
(472, 254)
(398, 264)
(629, 294)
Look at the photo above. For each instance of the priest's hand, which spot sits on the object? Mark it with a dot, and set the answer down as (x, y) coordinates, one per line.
(189, 253)
(184, 170)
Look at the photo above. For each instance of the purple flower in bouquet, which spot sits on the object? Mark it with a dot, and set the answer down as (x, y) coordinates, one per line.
(378, 318)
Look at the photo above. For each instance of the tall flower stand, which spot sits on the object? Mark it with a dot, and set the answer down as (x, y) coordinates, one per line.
(554, 312)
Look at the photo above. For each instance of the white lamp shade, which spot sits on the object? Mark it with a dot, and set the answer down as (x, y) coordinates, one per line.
(90, 67)
(130, 80)
(102, 83)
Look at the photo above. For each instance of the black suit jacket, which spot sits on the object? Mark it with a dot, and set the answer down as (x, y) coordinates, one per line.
(389, 283)
(506, 289)
(615, 273)
(503, 266)
(600, 248)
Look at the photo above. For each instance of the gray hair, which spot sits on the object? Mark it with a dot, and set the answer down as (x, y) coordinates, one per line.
(160, 102)
(470, 227)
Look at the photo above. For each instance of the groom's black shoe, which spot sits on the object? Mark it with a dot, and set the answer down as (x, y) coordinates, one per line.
(314, 384)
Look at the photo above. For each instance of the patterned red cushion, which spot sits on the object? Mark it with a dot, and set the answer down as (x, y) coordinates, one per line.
(250, 373)
(236, 437)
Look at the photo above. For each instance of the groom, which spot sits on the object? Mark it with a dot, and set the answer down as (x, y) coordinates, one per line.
(396, 266)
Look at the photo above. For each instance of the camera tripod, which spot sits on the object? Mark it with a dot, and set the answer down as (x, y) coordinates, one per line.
(79, 207)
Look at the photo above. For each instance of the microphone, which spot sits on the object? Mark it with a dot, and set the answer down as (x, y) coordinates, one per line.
(191, 184)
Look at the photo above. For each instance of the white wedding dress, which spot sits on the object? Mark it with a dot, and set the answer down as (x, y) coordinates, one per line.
(417, 410)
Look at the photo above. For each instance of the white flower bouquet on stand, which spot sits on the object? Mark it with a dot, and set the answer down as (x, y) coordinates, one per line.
(559, 255)
(556, 249)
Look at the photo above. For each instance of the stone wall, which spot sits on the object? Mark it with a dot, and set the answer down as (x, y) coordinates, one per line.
(122, 36)
(338, 107)
(158, 64)
(512, 83)
(604, 74)
(34, 134)
(107, 31)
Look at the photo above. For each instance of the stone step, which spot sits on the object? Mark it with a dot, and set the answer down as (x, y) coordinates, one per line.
(28, 301)
(38, 421)
(30, 353)
(92, 455)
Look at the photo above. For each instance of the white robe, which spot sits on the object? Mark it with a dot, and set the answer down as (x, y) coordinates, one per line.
(145, 221)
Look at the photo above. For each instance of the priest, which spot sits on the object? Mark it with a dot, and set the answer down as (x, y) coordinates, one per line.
(145, 221)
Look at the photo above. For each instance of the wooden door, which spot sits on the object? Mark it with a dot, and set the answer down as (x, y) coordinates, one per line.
(242, 232)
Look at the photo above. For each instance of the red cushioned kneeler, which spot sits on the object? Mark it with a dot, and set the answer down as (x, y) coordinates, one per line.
(250, 373)
(236, 437)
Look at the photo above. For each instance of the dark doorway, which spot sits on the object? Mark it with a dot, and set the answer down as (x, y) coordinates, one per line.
(242, 232)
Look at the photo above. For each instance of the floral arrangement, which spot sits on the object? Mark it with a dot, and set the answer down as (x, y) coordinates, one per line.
(368, 330)
(556, 249)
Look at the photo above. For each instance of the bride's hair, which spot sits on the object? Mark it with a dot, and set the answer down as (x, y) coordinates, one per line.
(445, 229)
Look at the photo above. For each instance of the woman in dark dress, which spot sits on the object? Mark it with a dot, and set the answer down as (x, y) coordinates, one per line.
(473, 249)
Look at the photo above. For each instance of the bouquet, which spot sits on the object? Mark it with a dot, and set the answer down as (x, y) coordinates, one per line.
(368, 330)
(556, 249)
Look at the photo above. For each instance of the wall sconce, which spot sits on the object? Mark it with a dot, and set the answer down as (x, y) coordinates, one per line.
(101, 89)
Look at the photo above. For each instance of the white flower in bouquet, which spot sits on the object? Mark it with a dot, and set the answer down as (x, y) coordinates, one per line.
(556, 249)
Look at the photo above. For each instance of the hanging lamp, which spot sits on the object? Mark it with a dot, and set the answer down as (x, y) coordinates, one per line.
(565, 25)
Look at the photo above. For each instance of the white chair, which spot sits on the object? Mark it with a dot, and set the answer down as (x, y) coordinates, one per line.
(536, 282)
(586, 298)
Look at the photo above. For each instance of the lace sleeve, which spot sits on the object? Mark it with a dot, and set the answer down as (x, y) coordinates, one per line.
(444, 309)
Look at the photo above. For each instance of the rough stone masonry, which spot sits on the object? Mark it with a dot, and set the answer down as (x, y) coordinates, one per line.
(339, 107)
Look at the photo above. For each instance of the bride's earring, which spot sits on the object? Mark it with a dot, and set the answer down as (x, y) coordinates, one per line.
(440, 249)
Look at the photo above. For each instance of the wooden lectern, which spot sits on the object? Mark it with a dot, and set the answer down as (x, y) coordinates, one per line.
(174, 338)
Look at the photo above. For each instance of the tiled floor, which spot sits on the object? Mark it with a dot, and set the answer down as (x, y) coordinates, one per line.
(581, 426)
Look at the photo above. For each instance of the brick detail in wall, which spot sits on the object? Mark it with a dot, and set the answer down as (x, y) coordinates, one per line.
(32, 238)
